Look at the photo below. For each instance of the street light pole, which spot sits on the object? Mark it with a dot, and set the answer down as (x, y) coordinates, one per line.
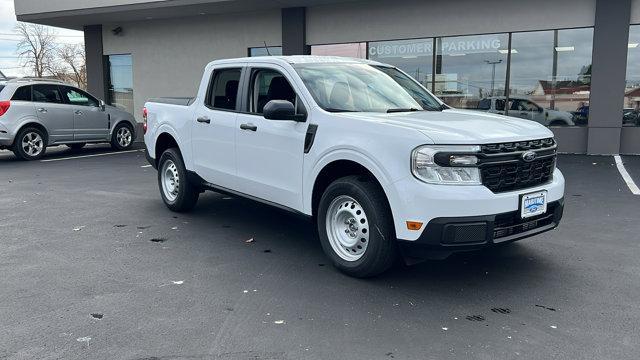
(493, 73)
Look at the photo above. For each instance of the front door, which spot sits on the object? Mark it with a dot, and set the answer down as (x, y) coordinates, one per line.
(53, 112)
(270, 152)
(213, 129)
(90, 121)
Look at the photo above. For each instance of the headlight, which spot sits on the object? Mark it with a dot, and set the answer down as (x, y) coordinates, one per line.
(462, 161)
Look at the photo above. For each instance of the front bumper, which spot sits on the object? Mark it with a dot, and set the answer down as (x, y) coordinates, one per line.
(443, 236)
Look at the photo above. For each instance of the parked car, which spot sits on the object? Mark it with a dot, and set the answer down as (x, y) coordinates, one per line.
(381, 165)
(631, 117)
(35, 114)
(526, 109)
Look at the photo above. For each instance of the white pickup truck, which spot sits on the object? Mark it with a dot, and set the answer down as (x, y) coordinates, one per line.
(380, 165)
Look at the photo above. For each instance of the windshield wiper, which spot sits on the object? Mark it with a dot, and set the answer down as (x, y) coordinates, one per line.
(338, 110)
(402, 110)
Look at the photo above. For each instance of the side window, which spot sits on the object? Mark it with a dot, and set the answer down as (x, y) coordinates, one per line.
(78, 97)
(22, 94)
(500, 104)
(267, 85)
(47, 94)
(223, 90)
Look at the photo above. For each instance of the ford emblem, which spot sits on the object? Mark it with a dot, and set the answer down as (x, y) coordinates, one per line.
(529, 156)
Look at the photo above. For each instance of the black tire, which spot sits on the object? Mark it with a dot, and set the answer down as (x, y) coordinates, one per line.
(558, 123)
(187, 193)
(76, 146)
(20, 152)
(381, 250)
(115, 141)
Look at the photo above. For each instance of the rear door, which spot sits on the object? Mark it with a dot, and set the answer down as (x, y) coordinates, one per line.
(90, 122)
(53, 112)
(213, 128)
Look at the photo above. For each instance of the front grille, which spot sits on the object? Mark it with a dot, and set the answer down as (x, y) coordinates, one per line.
(502, 167)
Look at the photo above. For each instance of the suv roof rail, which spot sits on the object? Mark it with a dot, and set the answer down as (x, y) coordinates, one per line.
(35, 79)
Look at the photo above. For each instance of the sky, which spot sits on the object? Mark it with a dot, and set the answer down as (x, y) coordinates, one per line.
(9, 62)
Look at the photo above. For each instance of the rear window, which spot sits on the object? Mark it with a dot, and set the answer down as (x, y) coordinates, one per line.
(1, 87)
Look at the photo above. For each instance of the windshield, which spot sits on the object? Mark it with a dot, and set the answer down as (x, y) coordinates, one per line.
(364, 88)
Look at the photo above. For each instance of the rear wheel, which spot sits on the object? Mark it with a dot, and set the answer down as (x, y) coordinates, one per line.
(177, 192)
(30, 144)
(355, 227)
(122, 138)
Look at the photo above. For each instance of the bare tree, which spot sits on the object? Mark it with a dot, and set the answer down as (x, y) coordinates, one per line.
(73, 64)
(37, 48)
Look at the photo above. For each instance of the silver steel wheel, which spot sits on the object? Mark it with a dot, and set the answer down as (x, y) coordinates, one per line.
(123, 136)
(170, 180)
(347, 228)
(32, 144)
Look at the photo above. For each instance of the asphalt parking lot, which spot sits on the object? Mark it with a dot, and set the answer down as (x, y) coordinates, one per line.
(95, 267)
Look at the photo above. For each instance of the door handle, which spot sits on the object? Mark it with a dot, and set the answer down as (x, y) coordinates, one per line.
(42, 110)
(249, 127)
(204, 119)
(78, 112)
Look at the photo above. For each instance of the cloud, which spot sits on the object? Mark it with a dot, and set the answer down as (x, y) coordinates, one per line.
(9, 62)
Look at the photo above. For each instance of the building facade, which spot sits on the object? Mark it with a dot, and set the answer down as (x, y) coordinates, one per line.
(573, 65)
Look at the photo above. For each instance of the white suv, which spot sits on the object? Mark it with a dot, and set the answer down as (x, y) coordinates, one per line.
(382, 166)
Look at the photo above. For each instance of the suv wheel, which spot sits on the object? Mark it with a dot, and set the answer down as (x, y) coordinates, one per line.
(30, 144)
(122, 138)
(355, 227)
(177, 192)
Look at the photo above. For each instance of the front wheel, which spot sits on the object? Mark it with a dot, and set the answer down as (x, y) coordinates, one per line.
(122, 138)
(177, 192)
(355, 227)
(30, 144)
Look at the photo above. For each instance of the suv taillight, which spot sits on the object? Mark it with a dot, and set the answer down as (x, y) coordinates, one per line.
(4, 107)
(144, 120)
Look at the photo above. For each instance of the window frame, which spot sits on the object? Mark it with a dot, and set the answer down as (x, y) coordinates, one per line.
(210, 87)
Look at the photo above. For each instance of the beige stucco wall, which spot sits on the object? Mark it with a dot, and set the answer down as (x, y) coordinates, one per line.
(170, 55)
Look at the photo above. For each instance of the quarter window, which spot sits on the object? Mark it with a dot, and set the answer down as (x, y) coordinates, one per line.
(223, 91)
(22, 94)
(47, 94)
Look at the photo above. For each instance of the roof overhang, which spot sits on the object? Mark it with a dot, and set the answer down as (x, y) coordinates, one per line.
(77, 14)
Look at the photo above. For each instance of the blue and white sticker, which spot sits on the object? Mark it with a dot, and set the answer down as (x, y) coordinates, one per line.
(533, 204)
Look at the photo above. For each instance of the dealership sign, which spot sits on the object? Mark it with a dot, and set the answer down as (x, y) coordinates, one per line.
(424, 47)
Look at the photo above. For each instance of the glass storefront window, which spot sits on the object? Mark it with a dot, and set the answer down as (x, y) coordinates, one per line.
(631, 111)
(354, 50)
(415, 57)
(470, 69)
(262, 51)
(121, 82)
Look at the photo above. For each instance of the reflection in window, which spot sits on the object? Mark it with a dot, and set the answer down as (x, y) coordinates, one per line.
(415, 57)
(121, 82)
(265, 51)
(552, 69)
(631, 111)
(353, 50)
(470, 69)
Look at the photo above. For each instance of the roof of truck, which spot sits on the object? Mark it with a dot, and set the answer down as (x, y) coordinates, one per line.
(297, 59)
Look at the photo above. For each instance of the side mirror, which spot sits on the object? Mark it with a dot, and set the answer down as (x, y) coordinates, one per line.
(103, 106)
(281, 110)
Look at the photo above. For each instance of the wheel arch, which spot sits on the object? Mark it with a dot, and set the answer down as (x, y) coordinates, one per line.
(35, 124)
(163, 142)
